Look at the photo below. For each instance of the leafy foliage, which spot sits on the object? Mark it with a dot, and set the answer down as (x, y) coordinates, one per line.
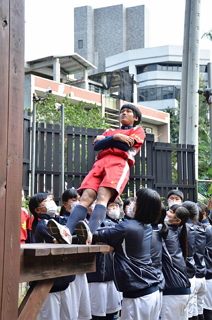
(174, 124)
(204, 140)
(78, 115)
(204, 135)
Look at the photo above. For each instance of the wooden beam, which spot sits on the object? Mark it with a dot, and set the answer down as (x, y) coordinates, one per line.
(42, 261)
(11, 127)
(34, 300)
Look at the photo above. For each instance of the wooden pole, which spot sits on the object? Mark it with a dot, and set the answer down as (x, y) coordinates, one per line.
(11, 128)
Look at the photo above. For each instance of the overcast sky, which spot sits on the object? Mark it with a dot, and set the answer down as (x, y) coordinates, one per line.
(49, 23)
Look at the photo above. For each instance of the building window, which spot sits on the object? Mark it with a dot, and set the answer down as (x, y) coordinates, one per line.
(158, 93)
(80, 44)
(160, 67)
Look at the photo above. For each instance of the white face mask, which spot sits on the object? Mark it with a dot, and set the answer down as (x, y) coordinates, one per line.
(114, 213)
(170, 203)
(174, 201)
(166, 219)
(51, 209)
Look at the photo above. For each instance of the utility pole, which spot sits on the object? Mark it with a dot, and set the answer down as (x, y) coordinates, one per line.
(189, 103)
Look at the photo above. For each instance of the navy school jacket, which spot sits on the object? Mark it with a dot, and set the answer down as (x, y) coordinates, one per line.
(208, 252)
(200, 243)
(190, 262)
(104, 262)
(173, 265)
(133, 272)
(156, 254)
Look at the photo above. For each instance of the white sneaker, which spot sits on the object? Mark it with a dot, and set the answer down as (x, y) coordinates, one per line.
(59, 232)
(83, 233)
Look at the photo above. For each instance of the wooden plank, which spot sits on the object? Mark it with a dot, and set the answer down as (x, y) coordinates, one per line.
(46, 249)
(47, 267)
(11, 124)
(34, 300)
(36, 251)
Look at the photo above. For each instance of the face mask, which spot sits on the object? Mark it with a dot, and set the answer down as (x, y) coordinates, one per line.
(171, 202)
(166, 219)
(114, 213)
(51, 209)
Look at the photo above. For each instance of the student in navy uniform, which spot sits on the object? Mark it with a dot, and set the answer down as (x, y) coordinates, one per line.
(133, 272)
(203, 218)
(70, 198)
(129, 208)
(82, 304)
(59, 304)
(174, 196)
(208, 262)
(199, 248)
(159, 230)
(177, 286)
(105, 299)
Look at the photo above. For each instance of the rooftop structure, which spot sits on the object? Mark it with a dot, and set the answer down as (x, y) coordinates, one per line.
(157, 73)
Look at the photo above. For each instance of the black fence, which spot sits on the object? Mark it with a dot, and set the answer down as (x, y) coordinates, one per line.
(161, 166)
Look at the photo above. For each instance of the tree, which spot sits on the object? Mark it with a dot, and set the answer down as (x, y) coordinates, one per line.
(204, 135)
(204, 140)
(174, 124)
(76, 114)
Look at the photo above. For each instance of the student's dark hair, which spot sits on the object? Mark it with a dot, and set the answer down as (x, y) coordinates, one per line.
(175, 206)
(128, 201)
(164, 228)
(202, 210)
(34, 203)
(183, 214)
(175, 192)
(69, 194)
(148, 206)
(193, 210)
(136, 112)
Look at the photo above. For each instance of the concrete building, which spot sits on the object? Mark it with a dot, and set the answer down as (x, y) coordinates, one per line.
(157, 73)
(52, 74)
(100, 33)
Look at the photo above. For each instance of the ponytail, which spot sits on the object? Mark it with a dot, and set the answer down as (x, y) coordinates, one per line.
(183, 214)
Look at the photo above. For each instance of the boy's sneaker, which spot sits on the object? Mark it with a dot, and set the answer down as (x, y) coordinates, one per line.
(59, 232)
(83, 233)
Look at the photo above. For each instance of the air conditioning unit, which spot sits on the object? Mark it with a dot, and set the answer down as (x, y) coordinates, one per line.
(148, 130)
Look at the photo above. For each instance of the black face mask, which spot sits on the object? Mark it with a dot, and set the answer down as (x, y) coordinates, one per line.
(126, 127)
